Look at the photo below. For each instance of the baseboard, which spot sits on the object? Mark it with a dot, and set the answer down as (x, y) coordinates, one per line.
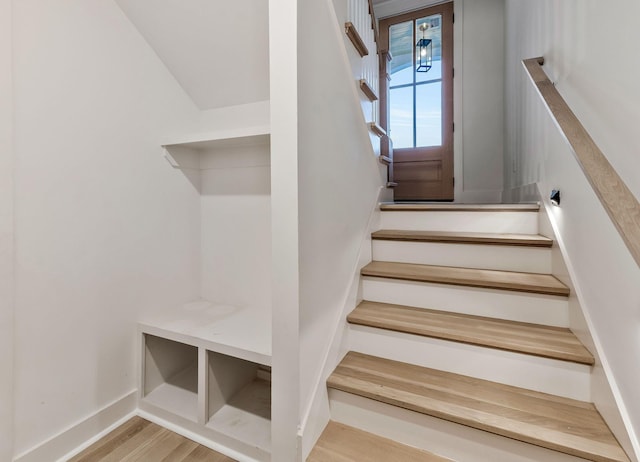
(79, 436)
(521, 194)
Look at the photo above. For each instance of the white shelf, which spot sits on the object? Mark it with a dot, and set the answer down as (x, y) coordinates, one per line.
(243, 333)
(179, 395)
(247, 416)
(245, 136)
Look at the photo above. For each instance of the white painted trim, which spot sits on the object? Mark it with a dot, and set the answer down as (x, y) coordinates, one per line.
(195, 437)
(80, 435)
(388, 8)
(597, 344)
(97, 437)
(319, 404)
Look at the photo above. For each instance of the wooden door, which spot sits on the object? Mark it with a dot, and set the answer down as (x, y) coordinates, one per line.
(417, 107)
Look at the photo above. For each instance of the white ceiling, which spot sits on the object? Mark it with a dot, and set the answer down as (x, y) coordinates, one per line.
(218, 50)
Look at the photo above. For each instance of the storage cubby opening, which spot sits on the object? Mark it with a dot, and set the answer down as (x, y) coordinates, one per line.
(239, 399)
(171, 376)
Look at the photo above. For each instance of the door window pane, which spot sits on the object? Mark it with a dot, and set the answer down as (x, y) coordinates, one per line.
(401, 46)
(428, 114)
(401, 115)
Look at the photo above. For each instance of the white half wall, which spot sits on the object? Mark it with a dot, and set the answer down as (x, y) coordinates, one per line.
(478, 94)
(339, 181)
(285, 384)
(6, 234)
(604, 274)
(105, 230)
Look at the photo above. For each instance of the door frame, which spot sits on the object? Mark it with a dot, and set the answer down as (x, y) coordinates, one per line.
(450, 96)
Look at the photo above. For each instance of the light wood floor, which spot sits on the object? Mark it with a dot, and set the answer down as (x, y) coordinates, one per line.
(139, 440)
(341, 443)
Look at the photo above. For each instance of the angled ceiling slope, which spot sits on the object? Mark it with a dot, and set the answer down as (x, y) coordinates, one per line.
(217, 50)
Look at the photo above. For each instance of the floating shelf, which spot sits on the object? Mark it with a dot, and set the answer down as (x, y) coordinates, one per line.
(246, 136)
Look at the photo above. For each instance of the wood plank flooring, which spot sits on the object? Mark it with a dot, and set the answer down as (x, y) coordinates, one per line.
(139, 440)
(562, 424)
(529, 240)
(490, 279)
(342, 443)
(534, 339)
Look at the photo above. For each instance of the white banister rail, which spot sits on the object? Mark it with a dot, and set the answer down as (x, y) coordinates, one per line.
(360, 14)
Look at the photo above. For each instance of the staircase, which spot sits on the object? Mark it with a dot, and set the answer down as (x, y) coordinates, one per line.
(461, 349)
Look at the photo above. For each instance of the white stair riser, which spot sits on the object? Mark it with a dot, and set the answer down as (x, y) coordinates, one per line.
(448, 439)
(478, 222)
(497, 257)
(561, 378)
(503, 304)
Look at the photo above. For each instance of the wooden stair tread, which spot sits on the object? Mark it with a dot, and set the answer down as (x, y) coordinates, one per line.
(533, 339)
(342, 443)
(557, 423)
(490, 279)
(531, 240)
(438, 206)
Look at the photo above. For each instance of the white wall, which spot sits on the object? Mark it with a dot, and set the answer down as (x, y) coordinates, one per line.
(606, 101)
(104, 228)
(339, 181)
(6, 234)
(482, 100)
(236, 228)
(214, 49)
(478, 94)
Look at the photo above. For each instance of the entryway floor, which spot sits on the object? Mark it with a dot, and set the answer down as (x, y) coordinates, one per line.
(139, 440)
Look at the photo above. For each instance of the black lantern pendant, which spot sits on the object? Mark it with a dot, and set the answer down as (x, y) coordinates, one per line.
(424, 51)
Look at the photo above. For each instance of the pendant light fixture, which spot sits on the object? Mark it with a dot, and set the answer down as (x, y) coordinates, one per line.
(424, 51)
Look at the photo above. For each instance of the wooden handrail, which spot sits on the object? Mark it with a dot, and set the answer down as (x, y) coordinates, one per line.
(619, 202)
(374, 22)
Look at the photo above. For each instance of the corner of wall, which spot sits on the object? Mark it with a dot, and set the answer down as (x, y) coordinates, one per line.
(6, 235)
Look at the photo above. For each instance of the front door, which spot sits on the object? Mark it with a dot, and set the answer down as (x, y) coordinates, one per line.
(417, 105)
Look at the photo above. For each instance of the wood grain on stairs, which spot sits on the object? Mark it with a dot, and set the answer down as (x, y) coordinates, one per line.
(561, 424)
(490, 279)
(533, 339)
(342, 443)
(529, 240)
(435, 207)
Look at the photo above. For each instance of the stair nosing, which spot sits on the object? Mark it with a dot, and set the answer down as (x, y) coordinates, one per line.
(560, 290)
(523, 240)
(583, 359)
(420, 207)
(480, 419)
